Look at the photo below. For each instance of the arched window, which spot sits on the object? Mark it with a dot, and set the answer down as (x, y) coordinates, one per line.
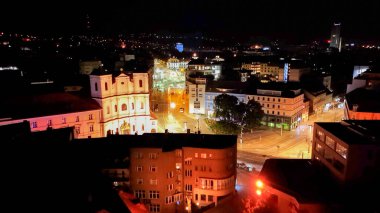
(96, 86)
(106, 86)
(115, 108)
(124, 107)
(133, 106)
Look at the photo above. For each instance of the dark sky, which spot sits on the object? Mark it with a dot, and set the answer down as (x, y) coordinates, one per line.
(308, 19)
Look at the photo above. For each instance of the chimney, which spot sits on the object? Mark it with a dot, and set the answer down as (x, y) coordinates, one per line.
(188, 131)
(355, 107)
(166, 131)
(199, 132)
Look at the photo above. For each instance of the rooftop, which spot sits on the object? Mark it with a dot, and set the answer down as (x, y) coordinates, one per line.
(355, 131)
(45, 105)
(305, 179)
(366, 100)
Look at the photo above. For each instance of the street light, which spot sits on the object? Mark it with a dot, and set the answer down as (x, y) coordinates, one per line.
(172, 105)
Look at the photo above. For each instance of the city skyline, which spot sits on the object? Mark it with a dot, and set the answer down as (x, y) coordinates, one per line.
(284, 20)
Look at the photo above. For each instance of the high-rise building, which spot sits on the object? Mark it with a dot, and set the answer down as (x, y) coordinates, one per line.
(335, 39)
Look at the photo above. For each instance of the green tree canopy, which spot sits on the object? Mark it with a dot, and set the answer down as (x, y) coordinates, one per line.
(233, 116)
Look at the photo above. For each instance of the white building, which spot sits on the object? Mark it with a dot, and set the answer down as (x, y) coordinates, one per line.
(197, 96)
(125, 102)
(176, 64)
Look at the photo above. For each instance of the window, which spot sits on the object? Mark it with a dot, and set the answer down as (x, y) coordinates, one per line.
(268, 105)
(170, 174)
(153, 194)
(139, 181)
(196, 196)
(203, 155)
(210, 198)
(152, 155)
(140, 193)
(106, 86)
(49, 123)
(90, 117)
(169, 200)
(196, 155)
(279, 100)
(34, 124)
(77, 129)
(122, 83)
(108, 110)
(188, 187)
(115, 108)
(273, 106)
(203, 197)
(139, 155)
(321, 136)
(278, 106)
(96, 86)
(319, 148)
(91, 127)
(341, 150)
(77, 119)
(154, 208)
(329, 156)
(188, 172)
(153, 168)
(338, 165)
(153, 181)
(210, 155)
(170, 187)
(63, 120)
(258, 98)
(178, 153)
(140, 83)
(330, 142)
(178, 166)
(139, 168)
(278, 113)
(188, 161)
(133, 128)
(142, 127)
(267, 99)
(133, 106)
(273, 112)
(142, 105)
(124, 107)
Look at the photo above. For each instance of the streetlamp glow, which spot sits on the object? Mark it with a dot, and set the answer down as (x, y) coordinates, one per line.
(172, 105)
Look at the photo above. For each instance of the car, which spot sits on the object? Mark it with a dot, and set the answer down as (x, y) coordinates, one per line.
(181, 109)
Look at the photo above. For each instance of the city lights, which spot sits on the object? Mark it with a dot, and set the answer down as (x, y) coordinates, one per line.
(259, 184)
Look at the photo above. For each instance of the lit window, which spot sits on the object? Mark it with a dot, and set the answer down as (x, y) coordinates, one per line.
(321, 135)
(139, 181)
(203, 155)
(341, 150)
(196, 155)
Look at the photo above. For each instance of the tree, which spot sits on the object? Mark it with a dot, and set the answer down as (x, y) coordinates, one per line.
(233, 116)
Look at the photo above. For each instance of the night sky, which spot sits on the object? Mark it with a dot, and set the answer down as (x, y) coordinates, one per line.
(294, 20)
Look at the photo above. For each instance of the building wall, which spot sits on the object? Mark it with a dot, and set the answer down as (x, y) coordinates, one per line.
(318, 103)
(125, 103)
(86, 124)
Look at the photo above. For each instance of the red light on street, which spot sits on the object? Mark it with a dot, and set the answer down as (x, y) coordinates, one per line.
(328, 41)
(258, 192)
(259, 184)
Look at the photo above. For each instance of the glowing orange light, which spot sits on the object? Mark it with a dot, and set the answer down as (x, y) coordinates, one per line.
(259, 184)
(258, 192)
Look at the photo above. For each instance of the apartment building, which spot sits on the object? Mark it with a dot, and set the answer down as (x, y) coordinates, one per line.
(173, 172)
(283, 104)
